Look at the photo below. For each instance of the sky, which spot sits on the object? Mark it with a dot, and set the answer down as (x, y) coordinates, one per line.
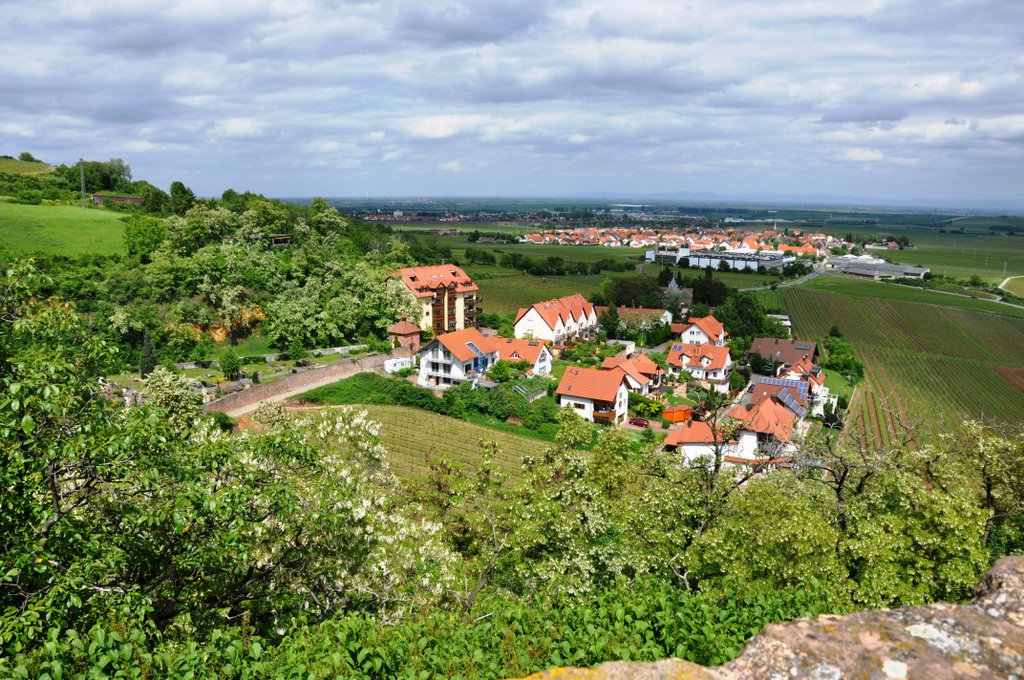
(881, 99)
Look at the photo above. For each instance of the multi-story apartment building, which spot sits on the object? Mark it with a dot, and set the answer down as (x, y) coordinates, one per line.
(449, 300)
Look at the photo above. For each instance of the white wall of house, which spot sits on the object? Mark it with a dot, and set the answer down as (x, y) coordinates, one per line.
(746, 444)
(438, 364)
(585, 407)
(691, 452)
(695, 336)
(532, 325)
(543, 364)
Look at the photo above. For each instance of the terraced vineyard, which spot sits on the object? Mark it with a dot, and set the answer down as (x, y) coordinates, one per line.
(926, 365)
(412, 436)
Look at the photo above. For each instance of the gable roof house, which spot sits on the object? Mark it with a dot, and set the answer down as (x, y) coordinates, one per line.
(560, 320)
(456, 357)
(639, 317)
(701, 330)
(695, 439)
(644, 376)
(707, 363)
(449, 299)
(766, 429)
(534, 352)
(783, 352)
(596, 395)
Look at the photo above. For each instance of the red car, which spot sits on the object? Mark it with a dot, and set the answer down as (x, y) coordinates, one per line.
(640, 422)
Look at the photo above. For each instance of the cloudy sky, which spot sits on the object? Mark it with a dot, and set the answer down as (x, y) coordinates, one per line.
(874, 98)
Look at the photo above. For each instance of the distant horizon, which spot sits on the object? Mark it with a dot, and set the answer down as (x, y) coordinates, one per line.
(886, 100)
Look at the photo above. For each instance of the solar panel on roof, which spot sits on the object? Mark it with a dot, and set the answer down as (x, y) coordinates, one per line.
(786, 398)
(802, 345)
(676, 348)
(799, 385)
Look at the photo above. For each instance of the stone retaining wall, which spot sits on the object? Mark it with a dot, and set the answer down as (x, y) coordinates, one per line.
(267, 391)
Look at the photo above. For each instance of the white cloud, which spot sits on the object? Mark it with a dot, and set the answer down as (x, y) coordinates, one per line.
(570, 95)
(864, 155)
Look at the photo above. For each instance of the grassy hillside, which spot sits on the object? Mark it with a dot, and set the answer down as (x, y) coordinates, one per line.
(13, 166)
(59, 230)
(926, 364)
(965, 255)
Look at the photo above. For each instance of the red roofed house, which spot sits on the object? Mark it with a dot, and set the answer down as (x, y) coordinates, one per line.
(702, 330)
(644, 376)
(454, 357)
(561, 320)
(705, 362)
(767, 428)
(696, 439)
(598, 396)
(532, 351)
(450, 300)
(405, 334)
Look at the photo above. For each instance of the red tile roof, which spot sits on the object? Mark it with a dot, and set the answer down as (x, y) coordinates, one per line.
(424, 280)
(692, 432)
(560, 308)
(591, 383)
(690, 356)
(710, 325)
(767, 417)
(455, 342)
(403, 327)
(519, 349)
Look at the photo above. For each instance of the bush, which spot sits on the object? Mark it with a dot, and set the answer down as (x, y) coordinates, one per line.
(223, 421)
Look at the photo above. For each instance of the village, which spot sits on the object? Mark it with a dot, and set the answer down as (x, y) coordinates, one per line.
(694, 395)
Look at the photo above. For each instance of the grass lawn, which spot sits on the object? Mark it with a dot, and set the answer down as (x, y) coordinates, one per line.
(60, 230)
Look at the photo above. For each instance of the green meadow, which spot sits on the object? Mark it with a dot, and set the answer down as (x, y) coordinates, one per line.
(60, 230)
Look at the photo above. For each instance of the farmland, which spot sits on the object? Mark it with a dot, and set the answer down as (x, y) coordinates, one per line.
(13, 166)
(504, 291)
(850, 286)
(413, 437)
(60, 230)
(925, 364)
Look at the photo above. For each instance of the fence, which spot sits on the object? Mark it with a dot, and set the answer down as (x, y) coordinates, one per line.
(297, 381)
(207, 363)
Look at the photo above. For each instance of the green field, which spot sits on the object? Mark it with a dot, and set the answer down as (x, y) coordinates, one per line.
(926, 365)
(965, 255)
(1015, 286)
(413, 437)
(12, 166)
(504, 291)
(60, 230)
(856, 287)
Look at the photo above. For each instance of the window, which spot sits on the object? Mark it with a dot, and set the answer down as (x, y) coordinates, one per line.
(577, 405)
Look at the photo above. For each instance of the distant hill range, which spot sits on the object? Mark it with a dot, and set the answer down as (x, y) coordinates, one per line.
(996, 206)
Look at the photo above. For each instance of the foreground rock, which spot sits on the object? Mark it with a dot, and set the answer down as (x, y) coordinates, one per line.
(982, 639)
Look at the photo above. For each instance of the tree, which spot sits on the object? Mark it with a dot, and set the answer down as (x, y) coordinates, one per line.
(27, 157)
(172, 393)
(147, 358)
(230, 364)
(181, 198)
(609, 321)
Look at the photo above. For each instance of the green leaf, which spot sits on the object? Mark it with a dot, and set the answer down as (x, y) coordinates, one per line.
(28, 424)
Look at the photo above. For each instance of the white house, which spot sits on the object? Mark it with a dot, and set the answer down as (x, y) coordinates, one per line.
(532, 351)
(695, 439)
(455, 357)
(705, 362)
(596, 395)
(560, 320)
(703, 330)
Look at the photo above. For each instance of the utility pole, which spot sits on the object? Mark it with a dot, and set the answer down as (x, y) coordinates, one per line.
(81, 173)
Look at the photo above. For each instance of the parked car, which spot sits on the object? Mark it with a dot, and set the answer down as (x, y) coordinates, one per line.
(639, 422)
